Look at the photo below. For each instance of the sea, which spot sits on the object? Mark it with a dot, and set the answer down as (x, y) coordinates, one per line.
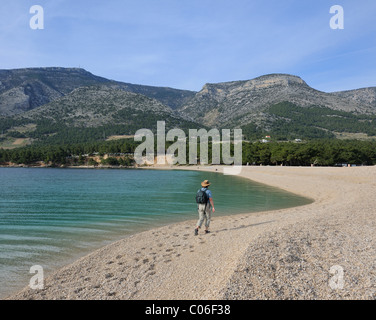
(50, 217)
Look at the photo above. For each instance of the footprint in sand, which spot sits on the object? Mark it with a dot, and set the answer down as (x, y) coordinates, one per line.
(78, 290)
(122, 280)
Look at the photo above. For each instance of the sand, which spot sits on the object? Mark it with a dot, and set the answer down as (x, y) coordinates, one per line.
(324, 250)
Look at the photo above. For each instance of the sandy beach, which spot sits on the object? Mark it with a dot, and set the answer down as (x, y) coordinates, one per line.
(324, 250)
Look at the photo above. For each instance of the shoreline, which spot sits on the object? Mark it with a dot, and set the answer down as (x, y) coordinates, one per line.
(170, 263)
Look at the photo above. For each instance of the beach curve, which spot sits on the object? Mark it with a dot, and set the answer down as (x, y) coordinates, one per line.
(281, 254)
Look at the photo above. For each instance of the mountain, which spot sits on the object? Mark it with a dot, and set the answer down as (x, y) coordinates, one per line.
(89, 114)
(95, 106)
(284, 106)
(365, 96)
(26, 89)
(242, 102)
(60, 105)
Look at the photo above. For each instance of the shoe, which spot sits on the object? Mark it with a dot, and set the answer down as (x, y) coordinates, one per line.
(207, 231)
(196, 232)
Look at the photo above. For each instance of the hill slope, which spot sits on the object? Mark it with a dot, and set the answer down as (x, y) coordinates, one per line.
(25, 89)
(283, 105)
(365, 96)
(59, 105)
(89, 114)
(246, 101)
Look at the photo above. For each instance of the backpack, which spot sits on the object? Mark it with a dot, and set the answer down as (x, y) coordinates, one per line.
(202, 197)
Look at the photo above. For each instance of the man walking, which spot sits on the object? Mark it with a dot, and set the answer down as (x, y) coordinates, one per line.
(205, 202)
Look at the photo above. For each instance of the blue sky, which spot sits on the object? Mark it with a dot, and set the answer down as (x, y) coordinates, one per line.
(185, 44)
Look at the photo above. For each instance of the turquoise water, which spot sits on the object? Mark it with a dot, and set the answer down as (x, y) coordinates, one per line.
(49, 217)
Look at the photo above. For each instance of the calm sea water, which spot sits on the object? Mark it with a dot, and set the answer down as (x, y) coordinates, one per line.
(49, 217)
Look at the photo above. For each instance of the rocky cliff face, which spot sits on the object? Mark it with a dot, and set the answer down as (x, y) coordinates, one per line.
(25, 89)
(224, 103)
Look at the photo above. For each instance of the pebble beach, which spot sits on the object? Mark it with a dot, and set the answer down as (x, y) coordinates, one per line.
(323, 250)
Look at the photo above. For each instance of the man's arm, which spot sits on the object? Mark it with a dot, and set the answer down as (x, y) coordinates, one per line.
(212, 203)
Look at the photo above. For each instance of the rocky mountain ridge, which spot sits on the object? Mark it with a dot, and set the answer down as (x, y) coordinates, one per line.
(45, 102)
(240, 101)
(22, 90)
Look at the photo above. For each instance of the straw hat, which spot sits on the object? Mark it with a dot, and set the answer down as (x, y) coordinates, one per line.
(205, 183)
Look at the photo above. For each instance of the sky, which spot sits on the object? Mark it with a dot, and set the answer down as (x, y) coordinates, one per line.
(185, 44)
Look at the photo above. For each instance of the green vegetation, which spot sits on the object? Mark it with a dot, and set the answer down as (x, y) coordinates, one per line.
(287, 121)
(120, 152)
(59, 142)
(8, 123)
(64, 154)
(47, 132)
(319, 152)
(317, 122)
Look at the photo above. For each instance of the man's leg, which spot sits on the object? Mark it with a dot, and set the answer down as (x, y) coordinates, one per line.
(201, 214)
(207, 217)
